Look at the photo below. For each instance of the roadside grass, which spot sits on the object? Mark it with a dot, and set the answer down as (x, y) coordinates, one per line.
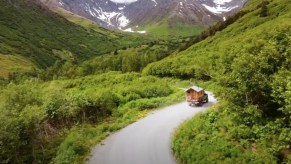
(14, 63)
(214, 136)
(77, 146)
(194, 140)
(61, 120)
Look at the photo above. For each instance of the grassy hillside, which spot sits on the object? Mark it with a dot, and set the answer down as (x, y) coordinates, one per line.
(165, 29)
(124, 38)
(36, 34)
(215, 54)
(250, 62)
(126, 59)
(14, 63)
(130, 59)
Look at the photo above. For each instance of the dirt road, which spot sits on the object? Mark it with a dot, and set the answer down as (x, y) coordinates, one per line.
(147, 141)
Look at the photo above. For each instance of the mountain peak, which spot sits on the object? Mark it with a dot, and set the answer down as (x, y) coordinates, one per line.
(128, 14)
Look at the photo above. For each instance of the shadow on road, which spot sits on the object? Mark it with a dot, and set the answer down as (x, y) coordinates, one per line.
(203, 105)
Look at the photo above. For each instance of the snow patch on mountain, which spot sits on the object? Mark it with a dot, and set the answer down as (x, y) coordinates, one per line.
(220, 6)
(123, 1)
(61, 3)
(219, 9)
(108, 17)
(121, 8)
(156, 3)
(122, 20)
(222, 2)
(130, 30)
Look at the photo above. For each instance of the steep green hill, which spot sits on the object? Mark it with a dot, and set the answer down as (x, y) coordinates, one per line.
(168, 29)
(14, 63)
(250, 64)
(34, 32)
(213, 56)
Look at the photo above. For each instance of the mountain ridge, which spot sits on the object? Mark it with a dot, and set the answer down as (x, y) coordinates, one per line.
(135, 16)
(43, 37)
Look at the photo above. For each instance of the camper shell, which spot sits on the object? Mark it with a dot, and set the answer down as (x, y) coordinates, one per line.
(196, 95)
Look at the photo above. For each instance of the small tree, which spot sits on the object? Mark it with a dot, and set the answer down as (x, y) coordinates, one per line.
(115, 52)
(264, 9)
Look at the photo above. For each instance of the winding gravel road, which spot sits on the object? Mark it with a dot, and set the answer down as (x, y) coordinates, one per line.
(147, 141)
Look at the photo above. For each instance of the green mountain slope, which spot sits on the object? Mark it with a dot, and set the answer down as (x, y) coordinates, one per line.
(168, 29)
(49, 121)
(14, 63)
(215, 54)
(250, 64)
(43, 37)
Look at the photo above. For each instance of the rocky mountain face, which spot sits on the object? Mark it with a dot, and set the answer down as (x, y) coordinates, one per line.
(128, 14)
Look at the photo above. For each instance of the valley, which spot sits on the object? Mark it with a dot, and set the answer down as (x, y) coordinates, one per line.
(159, 18)
(39, 37)
(69, 81)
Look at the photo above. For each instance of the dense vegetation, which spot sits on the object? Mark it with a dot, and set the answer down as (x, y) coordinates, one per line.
(29, 30)
(250, 62)
(46, 120)
(131, 59)
(57, 114)
(52, 46)
(36, 116)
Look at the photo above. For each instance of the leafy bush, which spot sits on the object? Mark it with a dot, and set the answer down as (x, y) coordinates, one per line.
(37, 114)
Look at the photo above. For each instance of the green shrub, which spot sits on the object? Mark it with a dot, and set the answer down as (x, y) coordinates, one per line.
(36, 115)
